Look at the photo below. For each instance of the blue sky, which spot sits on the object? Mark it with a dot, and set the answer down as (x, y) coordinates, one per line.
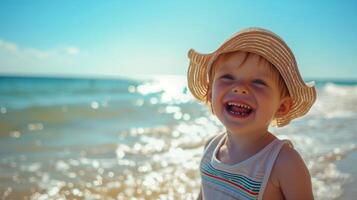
(126, 38)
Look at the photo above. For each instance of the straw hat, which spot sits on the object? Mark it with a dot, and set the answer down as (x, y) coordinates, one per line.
(268, 45)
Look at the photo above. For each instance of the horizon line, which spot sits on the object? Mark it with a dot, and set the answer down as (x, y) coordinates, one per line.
(138, 76)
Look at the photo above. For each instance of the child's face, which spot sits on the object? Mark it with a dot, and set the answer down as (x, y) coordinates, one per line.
(245, 95)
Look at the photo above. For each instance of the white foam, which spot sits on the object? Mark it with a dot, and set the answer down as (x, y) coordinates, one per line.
(335, 101)
(340, 90)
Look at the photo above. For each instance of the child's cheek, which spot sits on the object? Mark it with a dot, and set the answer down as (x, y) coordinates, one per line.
(219, 86)
(217, 90)
(265, 92)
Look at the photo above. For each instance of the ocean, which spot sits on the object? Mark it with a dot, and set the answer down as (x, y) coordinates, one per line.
(142, 138)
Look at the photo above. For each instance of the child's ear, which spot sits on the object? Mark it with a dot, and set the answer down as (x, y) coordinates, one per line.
(209, 100)
(285, 106)
(209, 95)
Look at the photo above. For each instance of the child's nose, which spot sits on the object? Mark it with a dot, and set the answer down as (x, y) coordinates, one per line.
(240, 89)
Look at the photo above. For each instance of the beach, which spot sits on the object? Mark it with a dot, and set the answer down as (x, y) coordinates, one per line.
(142, 138)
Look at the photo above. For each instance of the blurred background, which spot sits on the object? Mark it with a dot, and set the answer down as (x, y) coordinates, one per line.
(94, 101)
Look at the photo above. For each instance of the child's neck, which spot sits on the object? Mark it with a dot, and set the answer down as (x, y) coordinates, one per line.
(236, 149)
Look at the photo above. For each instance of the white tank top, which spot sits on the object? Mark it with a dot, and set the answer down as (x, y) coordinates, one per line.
(244, 180)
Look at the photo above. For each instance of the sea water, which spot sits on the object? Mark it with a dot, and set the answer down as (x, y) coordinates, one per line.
(142, 138)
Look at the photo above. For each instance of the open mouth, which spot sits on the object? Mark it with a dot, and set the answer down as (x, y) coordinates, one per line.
(238, 109)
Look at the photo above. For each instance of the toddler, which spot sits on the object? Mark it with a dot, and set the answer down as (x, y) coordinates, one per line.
(250, 82)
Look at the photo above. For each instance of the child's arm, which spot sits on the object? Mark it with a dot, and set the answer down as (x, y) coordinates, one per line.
(293, 175)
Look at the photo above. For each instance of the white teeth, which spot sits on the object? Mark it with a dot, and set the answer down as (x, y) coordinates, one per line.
(239, 105)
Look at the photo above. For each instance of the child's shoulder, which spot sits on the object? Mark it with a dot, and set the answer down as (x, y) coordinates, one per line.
(289, 159)
(216, 136)
(290, 173)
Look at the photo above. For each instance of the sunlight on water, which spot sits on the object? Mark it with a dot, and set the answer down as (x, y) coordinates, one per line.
(172, 87)
(144, 140)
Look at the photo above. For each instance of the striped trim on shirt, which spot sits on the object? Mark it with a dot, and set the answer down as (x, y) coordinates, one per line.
(235, 183)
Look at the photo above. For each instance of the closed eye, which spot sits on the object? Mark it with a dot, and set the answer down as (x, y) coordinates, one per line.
(227, 76)
(260, 82)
